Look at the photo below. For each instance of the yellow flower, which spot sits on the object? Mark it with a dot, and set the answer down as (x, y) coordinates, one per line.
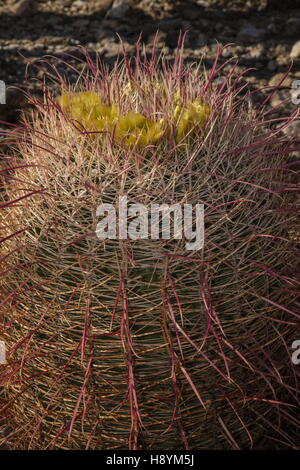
(135, 129)
(103, 117)
(85, 100)
(187, 118)
(177, 97)
(86, 107)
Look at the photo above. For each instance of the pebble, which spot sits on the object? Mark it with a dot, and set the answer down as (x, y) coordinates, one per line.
(101, 6)
(295, 52)
(23, 7)
(276, 79)
(256, 51)
(293, 129)
(159, 37)
(282, 99)
(118, 10)
(12, 46)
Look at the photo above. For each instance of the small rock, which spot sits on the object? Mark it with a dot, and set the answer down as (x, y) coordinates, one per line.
(118, 10)
(295, 52)
(101, 6)
(256, 51)
(159, 37)
(282, 100)
(293, 129)
(112, 49)
(77, 4)
(228, 52)
(280, 49)
(283, 60)
(11, 46)
(250, 33)
(23, 7)
(74, 42)
(276, 79)
(262, 5)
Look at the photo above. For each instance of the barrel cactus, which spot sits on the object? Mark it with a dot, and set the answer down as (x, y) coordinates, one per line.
(139, 343)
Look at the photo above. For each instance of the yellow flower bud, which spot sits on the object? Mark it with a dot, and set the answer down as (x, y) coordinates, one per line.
(193, 115)
(87, 108)
(135, 129)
